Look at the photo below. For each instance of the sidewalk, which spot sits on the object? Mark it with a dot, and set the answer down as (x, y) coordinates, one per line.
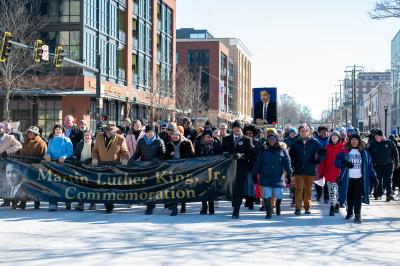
(127, 236)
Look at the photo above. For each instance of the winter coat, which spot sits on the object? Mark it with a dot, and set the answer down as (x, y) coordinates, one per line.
(76, 136)
(59, 147)
(9, 144)
(367, 170)
(79, 148)
(17, 135)
(383, 153)
(323, 141)
(271, 163)
(200, 149)
(185, 149)
(131, 142)
(288, 141)
(116, 152)
(305, 157)
(327, 167)
(190, 134)
(155, 150)
(244, 146)
(34, 148)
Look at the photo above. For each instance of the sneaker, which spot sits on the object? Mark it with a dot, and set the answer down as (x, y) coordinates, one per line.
(297, 212)
(37, 205)
(337, 208)
(307, 212)
(390, 198)
(332, 211)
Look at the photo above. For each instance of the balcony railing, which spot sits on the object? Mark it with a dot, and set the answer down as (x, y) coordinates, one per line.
(121, 74)
(122, 36)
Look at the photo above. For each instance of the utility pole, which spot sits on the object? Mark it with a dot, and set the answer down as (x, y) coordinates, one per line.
(333, 115)
(353, 70)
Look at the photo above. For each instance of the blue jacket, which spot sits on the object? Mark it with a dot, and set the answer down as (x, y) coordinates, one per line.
(60, 146)
(305, 157)
(323, 142)
(367, 170)
(270, 164)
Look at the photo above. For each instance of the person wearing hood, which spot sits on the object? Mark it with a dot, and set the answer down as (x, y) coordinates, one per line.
(356, 173)
(133, 136)
(179, 148)
(330, 172)
(343, 135)
(272, 160)
(292, 136)
(242, 147)
(149, 148)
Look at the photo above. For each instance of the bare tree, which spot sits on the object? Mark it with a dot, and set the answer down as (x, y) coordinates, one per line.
(305, 114)
(386, 9)
(288, 110)
(22, 19)
(190, 95)
(160, 97)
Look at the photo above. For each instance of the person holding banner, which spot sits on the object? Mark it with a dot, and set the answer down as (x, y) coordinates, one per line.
(59, 149)
(179, 148)
(242, 147)
(207, 146)
(33, 146)
(149, 148)
(134, 134)
(110, 147)
(8, 145)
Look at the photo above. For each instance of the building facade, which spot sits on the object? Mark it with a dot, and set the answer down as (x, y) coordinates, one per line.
(395, 82)
(225, 67)
(375, 102)
(365, 82)
(136, 41)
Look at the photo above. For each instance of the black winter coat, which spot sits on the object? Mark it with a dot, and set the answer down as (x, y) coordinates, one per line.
(186, 150)
(190, 134)
(306, 156)
(200, 149)
(245, 147)
(156, 150)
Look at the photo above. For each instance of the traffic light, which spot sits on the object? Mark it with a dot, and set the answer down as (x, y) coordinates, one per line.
(5, 46)
(38, 51)
(59, 56)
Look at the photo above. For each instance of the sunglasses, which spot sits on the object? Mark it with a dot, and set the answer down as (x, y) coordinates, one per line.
(170, 129)
(249, 133)
(272, 138)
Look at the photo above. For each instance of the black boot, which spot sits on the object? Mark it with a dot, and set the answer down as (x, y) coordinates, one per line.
(251, 203)
(332, 211)
(349, 215)
(149, 209)
(37, 205)
(278, 206)
(109, 207)
(211, 207)
(357, 219)
(268, 207)
(80, 207)
(68, 206)
(337, 208)
(183, 207)
(203, 207)
(92, 206)
(174, 209)
(22, 205)
(235, 213)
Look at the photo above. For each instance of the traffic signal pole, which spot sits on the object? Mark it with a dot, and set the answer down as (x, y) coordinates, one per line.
(96, 71)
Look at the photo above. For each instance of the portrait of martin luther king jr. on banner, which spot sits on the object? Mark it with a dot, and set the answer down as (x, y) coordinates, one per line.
(265, 108)
(13, 186)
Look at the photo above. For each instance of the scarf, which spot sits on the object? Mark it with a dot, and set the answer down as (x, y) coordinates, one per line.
(149, 141)
(86, 151)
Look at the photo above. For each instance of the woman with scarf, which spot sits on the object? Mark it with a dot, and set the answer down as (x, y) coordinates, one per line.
(330, 172)
(207, 146)
(272, 160)
(356, 173)
(149, 148)
(135, 133)
(59, 148)
(179, 148)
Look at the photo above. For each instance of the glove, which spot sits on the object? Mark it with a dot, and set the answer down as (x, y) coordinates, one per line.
(95, 162)
(255, 179)
(61, 159)
(314, 161)
(239, 156)
(348, 164)
(124, 162)
(48, 158)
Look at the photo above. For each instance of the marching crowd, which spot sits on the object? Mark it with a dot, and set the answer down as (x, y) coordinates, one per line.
(346, 169)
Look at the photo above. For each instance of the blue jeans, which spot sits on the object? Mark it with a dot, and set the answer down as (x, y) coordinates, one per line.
(278, 191)
(249, 187)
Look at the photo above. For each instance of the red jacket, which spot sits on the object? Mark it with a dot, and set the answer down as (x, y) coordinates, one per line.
(327, 168)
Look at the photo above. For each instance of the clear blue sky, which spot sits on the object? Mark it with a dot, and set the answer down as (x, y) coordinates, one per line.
(300, 46)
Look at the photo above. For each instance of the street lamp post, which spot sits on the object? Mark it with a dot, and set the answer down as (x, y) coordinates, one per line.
(386, 112)
(369, 120)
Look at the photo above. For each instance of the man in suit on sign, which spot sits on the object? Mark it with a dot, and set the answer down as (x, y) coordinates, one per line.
(265, 110)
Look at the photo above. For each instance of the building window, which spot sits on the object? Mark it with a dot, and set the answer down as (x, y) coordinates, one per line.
(112, 60)
(103, 23)
(61, 10)
(90, 13)
(89, 50)
(69, 40)
(113, 19)
(49, 114)
(198, 58)
(21, 110)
